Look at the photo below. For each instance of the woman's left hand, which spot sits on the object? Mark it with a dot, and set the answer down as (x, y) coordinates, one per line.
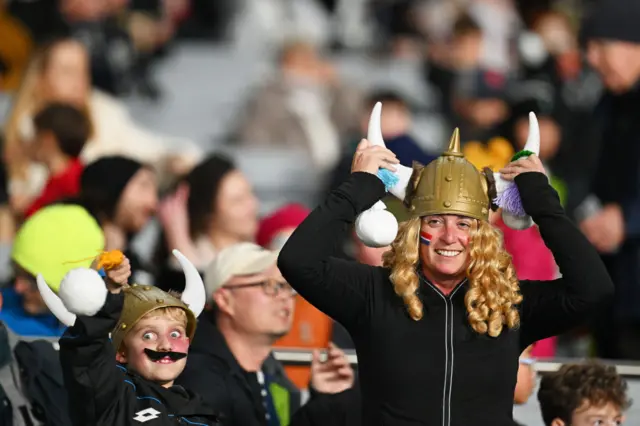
(528, 164)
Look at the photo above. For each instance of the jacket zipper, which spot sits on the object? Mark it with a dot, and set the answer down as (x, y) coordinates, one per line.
(449, 353)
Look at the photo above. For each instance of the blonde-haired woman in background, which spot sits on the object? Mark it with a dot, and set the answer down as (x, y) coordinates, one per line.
(59, 71)
(440, 327)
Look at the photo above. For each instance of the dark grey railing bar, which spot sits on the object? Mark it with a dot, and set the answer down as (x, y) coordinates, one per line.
(303, 357)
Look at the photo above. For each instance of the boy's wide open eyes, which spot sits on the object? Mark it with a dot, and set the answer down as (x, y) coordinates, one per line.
(149, 336)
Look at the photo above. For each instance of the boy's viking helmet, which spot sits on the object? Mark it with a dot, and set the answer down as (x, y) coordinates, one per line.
(83, 292)
(448, 185)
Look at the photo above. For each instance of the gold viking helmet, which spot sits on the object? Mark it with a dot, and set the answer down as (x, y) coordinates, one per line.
(83, 292)
(449, 185)
(139, 300)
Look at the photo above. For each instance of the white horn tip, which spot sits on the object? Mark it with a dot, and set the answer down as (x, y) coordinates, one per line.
(533, 140)
(374, 132)
(194, 295)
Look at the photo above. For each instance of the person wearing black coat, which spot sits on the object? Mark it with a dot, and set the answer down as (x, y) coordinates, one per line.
(439, 329)
(608, 203)
(125, 346)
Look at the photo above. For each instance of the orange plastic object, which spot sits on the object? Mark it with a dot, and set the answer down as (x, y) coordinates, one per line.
(311, 330)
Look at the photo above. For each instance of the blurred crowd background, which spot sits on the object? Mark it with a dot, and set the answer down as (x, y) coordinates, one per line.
(198, 124)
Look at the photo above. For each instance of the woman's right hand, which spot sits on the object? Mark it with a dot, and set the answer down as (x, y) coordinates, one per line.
(370, 158)
(173, 213)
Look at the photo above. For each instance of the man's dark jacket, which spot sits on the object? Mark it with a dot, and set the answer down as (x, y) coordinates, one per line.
(213, 372)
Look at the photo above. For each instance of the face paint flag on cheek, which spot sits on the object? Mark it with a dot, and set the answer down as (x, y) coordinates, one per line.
(157, 356)
(425, 238)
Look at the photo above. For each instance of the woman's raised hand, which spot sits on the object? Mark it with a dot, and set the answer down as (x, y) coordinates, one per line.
(370, 158)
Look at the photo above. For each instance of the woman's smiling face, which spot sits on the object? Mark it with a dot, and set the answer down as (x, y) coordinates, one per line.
(444, 245)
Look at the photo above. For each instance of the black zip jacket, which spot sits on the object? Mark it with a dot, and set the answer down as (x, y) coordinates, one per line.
(215, 374)
(102, 392)
(438, 371)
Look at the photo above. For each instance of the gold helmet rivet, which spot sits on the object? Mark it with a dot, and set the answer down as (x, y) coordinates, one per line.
(450, 159)
(147, 288)
(447, 203)
(123, 326)
(448, 178)
(160, 300)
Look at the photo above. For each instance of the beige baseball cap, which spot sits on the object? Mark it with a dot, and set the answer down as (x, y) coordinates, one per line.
(238, 259)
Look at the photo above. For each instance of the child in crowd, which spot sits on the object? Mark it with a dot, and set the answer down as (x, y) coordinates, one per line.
(61, 132)
(583, 395)
(145, 329)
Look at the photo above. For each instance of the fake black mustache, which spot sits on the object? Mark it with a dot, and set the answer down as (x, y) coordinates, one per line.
(157, 356)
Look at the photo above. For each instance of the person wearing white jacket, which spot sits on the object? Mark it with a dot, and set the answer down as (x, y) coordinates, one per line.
(60, 72)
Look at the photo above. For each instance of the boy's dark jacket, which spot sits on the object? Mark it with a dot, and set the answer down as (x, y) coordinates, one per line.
(101, 392)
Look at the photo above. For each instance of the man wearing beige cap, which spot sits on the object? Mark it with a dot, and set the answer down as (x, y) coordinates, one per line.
(250, 307)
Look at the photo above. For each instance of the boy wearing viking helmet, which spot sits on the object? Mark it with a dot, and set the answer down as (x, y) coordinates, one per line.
(144, 329)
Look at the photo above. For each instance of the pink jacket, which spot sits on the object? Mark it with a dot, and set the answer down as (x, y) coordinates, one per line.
(532, 261)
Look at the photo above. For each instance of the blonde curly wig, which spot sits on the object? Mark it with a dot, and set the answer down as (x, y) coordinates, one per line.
(493, 290)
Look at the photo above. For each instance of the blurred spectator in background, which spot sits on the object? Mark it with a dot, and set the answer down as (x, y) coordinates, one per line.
(610, 214)
(396, 122)
(150, 25)
(42, 18)
(204, 19)
(399, 27)
(122, 195)
(251, 307)
(479, 94)
(120, 37)
(311, 329)
(59, 72)
(60, 134)
(51, 242)
(583, 395)
(564, 88)
(213, 208)
(500, 24)
(304, 106)
(15, 48)
(7, 224)
(112, 54)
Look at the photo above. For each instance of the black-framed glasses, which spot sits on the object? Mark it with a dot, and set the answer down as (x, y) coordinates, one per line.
(270, 287)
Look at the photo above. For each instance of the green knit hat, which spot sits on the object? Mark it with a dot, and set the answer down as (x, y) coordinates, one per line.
(55, 239)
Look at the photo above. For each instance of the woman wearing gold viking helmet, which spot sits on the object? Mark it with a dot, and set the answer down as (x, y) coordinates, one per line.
(439, 328)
